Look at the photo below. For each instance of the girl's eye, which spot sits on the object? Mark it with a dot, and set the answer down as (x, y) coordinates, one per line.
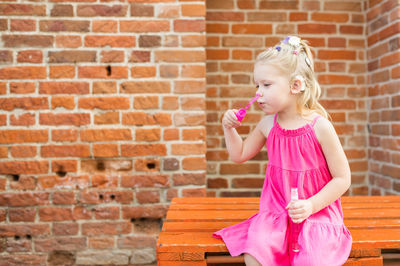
(266, 85)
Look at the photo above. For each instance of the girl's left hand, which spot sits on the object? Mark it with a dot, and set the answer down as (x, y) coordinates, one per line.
(299, 210)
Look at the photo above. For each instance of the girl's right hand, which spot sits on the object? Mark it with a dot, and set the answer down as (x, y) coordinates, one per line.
(230, 120)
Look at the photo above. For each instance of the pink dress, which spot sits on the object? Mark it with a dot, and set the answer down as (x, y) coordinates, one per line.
(295, 160)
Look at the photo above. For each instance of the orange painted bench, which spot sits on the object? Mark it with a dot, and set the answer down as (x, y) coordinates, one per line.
(186, 236)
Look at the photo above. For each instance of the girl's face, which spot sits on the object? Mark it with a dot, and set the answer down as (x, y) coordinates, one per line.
(274, 87)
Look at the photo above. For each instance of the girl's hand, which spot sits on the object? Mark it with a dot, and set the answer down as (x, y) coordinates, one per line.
(230, 120)
(300, 210)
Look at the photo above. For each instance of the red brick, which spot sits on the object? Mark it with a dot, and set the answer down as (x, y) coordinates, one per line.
(10, 230)
(105, 103)
(104, 181)
(145, 26)
(189, 86)
(91, 135)
(145, 102)
(152, 211)
(64, 135)
(335, 79)
(105, 150)
(65, 228)
(143, 149)
(55, 214)
(23, 72)
(107, 118)
(239, 169)
(316, 28)
(78, 150)
(195, 192)
(224, 16)
(112, 228)
(107, 213)
(182, 25)
(63, 88)
(60, 243)
(23, 183)
(171, 134)
(101, 72)
(101, 242)
(330, 17)
(180, 56)
(145, 87)
(24, 167)
(147, 165)
(153, 134)
(193, 10)
(146, 196)
(55, 119)
(64, 197)
(251, 28)
(62, 102)
(26, 103)
(136, 242)
(26, 119)
(337, 55)
(143, 71)
(194, 163)
(148, 180)
(193, 134)
(189, 179)
(23, 151)
(21, 215)
(188, 148)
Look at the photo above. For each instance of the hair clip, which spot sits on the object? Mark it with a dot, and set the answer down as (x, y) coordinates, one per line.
(278, 48)
(295, 52)
(308, 62)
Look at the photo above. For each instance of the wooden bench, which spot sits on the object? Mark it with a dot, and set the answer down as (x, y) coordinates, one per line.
(186, 236)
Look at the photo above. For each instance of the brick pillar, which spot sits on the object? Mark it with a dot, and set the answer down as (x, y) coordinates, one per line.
(237, 31)
(102, 122)
(383, 96)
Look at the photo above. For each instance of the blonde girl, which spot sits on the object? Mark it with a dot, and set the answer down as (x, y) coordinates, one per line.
(306, 160)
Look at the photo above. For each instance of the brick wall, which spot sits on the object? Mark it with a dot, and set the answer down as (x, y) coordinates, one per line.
(102, 122)
(104, 110)
(383, 24)
(237, 31)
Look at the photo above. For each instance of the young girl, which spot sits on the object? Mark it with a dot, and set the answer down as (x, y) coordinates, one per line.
(305, 156)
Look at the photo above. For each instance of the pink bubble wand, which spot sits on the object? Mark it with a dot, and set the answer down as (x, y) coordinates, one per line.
(242, 112)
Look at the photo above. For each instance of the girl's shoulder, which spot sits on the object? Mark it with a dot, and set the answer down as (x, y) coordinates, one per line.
(324, 129)
(265, 125)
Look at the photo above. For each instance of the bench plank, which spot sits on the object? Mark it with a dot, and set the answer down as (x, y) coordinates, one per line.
(230, 215)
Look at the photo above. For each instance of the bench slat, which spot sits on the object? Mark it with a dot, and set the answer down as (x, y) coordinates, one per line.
(230, 215)
(213, 226)
(246, 200)
(203, 241)
(254, 206)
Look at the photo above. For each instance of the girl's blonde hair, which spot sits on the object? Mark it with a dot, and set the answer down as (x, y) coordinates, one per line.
(295, 58)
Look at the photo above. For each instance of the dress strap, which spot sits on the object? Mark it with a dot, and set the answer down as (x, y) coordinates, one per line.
(315, 120)
(276, 115)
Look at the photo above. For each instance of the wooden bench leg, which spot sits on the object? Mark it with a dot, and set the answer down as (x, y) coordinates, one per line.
(181, 259)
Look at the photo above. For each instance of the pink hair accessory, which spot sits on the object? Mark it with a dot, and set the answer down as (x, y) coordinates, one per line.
(296, 52)
(242, 112)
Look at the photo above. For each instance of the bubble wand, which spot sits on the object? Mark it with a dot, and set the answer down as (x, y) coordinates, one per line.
(242, 112)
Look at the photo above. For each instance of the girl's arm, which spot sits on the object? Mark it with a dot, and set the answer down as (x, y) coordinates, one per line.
(337, 164)
(239, 150)
(338, 167)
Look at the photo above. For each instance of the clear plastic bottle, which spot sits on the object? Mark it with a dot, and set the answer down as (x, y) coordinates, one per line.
(294, 196)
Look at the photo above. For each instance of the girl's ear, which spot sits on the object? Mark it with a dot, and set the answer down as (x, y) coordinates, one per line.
(296, 86)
